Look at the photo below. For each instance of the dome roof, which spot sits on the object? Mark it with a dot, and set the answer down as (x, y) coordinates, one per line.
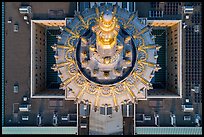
(84, 76)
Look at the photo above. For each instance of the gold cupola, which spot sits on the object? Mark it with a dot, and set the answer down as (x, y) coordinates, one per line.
(106, 31)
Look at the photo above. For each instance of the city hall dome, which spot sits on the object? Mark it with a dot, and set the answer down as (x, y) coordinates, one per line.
(107, 56)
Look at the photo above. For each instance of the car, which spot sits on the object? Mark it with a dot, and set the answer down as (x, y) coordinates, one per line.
(16, 28)
(197, 120)
(25, 118)
(15, 88)
(55, 119)
(156, 119)
(25, 9)
(25, 17)
(173, 119)
(64, 118)
(25, 107)
(147, 117)
(39, 120)
(9, 21)
(25, 98)
(83, 125)
(187, 117)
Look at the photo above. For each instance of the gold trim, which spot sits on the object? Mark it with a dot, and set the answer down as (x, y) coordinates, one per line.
(145, 29)
(70, 31)
(131, 18)
(129, 90)
(80, 93)
(82, 20)
(68, 80)
(97, 100)
(115, 101)
(150, 64)
(143, 80)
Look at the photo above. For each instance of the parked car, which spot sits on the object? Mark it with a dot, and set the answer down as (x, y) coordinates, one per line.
(16, 28)
(39, 119)
(25, 98)
(187, 117)
(25, 17)
(25, 118)
(25, 107)
(15, 88)
(197, 120)
(55, 119)
(173, 119)
(156, 119)
(25, 9)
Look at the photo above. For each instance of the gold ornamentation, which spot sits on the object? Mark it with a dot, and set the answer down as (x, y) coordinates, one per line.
(129, 90)
(106, 31)
(105, 91)
(132, 16)
(68, 80)
(96, 100)
(80, 93)
(115, 101)
(118, 88)
(82, 20)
